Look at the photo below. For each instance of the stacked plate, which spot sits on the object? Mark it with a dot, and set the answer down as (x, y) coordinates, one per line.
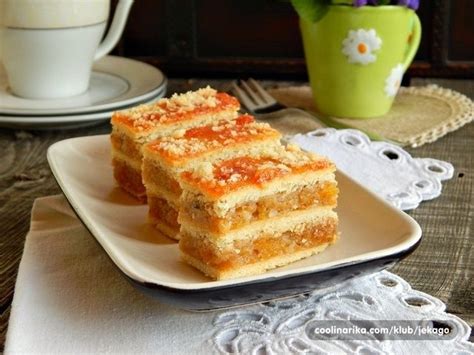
(116, 83)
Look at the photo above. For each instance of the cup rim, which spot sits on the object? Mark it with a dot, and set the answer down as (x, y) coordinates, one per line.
(51, 14)
(51, 28)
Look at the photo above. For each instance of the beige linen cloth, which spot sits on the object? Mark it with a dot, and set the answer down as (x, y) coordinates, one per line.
(70, 299)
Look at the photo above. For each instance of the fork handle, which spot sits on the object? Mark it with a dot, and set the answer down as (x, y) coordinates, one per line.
(289, 111)
(323, 121)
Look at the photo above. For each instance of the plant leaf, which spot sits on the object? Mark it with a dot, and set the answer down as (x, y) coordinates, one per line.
(311, 10)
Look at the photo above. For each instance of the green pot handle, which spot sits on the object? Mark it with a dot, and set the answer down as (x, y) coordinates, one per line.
(414, 42)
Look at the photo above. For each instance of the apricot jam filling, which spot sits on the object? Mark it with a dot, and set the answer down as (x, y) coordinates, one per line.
(129, 179)
(201, 213)
(146, 117)
(161, 210)
(264, 247)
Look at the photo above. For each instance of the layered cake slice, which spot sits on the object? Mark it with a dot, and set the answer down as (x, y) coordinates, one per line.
(132, 128)
(167, 157)
(246, 215)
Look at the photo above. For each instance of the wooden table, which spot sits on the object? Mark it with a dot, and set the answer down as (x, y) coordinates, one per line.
(442, 266)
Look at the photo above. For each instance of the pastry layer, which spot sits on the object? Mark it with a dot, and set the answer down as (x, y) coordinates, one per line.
(263, 252)
(130, 145)
(252, 269)
(165, 229)
(200, 212)
(199, 142)
(155, 176)
(129, 178)
(156, 190)
(134, 127)
(167, 157)
(249, 193)
(157, 172)
(292, 221)
(126, 145)
(236, 178)
(194, 108)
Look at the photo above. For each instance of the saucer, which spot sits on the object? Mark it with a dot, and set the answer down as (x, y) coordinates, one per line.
(115, 82)
(67, 121)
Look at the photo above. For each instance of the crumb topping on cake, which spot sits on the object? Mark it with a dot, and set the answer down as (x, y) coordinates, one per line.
(176, 108)
(223, 177)
(206, 138)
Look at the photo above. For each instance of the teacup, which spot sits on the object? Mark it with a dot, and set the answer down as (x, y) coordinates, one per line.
(48, 46)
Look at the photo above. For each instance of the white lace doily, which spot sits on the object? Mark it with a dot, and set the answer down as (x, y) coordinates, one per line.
(285, 327)
(384, 168)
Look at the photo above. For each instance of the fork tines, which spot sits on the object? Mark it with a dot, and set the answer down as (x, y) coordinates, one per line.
(254, 97)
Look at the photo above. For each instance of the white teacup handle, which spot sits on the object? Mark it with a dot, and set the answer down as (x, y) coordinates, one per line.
(116, 28)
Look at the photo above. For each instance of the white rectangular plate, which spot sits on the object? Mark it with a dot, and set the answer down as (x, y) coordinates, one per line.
(370, 228)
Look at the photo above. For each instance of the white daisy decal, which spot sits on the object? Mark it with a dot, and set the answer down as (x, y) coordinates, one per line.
(359, 46)
(394, 80)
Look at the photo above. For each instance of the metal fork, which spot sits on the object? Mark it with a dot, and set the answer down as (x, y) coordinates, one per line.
(259, 102)
(254, 97)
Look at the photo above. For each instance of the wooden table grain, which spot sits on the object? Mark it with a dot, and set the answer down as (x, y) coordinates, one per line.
(442, 266)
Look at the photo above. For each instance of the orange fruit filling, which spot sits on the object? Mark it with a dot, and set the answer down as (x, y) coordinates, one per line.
(161, 210)
(129, 179)
(264, 247)
(324, 194)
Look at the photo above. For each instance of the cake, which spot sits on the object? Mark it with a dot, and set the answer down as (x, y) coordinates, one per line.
(248, 214)
(133, 128)
(167, 157)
